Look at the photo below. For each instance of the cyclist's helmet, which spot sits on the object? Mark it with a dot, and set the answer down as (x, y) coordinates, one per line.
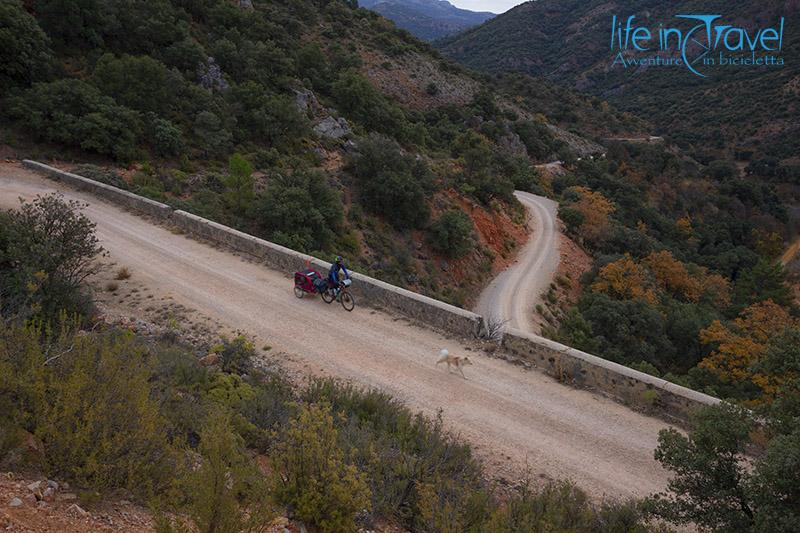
(338, 260)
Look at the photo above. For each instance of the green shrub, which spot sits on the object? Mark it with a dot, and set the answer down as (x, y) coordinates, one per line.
(410, 460)
(392, 184)
(314, 479)
(716, 487)
(227, 493)
(237, 355)
(572, 218)
(103, 175)
(214, 138)
(88, 398)
(167, 139)
(25, 54)
(300, 210)
(75, 113)
(140, 83)
(561, 506)
(240, 183)
(47, 250)
(452, 234)
(268, 118)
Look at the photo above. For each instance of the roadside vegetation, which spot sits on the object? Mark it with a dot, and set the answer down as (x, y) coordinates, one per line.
(216, 108)
(230, 446)
(686, 285)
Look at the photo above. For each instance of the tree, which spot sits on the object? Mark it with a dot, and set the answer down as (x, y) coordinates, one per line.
(240, 183)
(74, 112)
(25, 54)
(77, 23)
(739, 348)
(141, 83)
(213, 136)
(359, 100)
(624, 331)
(167, 138)
(313, 477)
(266, 117)
(765, 281)
(672, 276)
(716, 487)
(595, 209)
(392, 184)
(624, 279)
(708, 488)
(51, 248)
(300, 210)
(452, 234)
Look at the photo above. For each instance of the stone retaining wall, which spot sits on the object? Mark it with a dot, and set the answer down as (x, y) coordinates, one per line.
(113, 194)
(562, 362)
(584, 370)
(367, 290)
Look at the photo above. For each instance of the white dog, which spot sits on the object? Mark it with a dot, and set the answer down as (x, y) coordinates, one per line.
(454, 360)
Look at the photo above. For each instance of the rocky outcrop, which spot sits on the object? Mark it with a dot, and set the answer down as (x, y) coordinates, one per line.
(511, 144)
(333, 128)
(306, 102)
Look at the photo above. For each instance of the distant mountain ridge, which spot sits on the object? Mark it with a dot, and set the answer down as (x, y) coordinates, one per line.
(567, 41)
(427, 19)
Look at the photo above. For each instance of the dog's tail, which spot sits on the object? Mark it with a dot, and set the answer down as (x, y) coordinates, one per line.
(443, 356)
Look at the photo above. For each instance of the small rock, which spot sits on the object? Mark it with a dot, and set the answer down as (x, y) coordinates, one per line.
(49, 494)
(15, 502)
(35, 486)
(52, 484)
(67, 496)
(42, 504)
(76, 509)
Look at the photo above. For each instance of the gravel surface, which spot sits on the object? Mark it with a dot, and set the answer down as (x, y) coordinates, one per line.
(515, 418)
(512, 296)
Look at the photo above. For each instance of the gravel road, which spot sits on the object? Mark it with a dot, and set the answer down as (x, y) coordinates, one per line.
(513, 295)
(515, 418)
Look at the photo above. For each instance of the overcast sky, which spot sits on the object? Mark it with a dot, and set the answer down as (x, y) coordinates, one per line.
(495, 6)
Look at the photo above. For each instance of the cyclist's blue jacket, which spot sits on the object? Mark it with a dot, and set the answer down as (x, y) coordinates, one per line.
(333, 275)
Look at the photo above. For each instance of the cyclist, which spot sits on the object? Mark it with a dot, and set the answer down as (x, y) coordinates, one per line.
(334, 277)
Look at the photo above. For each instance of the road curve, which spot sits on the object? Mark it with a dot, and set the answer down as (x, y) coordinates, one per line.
(514, 418)
(513, 295)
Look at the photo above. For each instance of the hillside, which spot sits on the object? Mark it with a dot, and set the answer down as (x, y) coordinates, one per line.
(427, 19)
(313, 124)
(323, 127)
(754, 110)
(357, 139)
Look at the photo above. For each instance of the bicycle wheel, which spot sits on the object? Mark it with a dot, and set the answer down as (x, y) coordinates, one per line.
(328, 296)
(298, 291)
(348, 301)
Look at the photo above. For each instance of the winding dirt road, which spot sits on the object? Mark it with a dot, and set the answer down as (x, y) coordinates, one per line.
(512, 416)
(513, 295)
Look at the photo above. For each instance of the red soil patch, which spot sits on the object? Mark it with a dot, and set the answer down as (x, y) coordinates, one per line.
(496, 231)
